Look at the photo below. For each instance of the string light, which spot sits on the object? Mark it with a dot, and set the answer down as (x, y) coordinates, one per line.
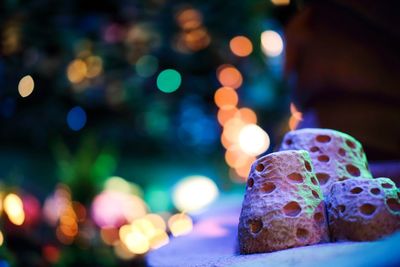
(26, 86)
(14, 208)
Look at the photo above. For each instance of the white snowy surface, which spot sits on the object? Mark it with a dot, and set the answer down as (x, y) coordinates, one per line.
(213, 243)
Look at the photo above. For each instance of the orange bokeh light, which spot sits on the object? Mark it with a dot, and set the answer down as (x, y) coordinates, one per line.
(232, 129)
(225, 115)
(247, 115)
(226, 98)
(241, 46)
(229, 76)
(189, 19)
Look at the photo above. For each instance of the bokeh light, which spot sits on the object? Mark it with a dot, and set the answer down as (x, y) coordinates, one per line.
(94, 66)
(189, 19)
(225, 115)
(241, 46)
(180, 224)
(137, 242)
(13, 206)
(146, 66)
(271, 43)
(232, 129)
(229, 76)
(77, 71)
(194, 193)
(105, 213)
(1, 238)
(280, 2)
(169, 80)
(253, 140)
(226, 98)
(247, 115)
(26, 86)
(76, 118)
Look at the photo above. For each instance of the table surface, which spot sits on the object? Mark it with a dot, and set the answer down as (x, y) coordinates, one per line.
(213, 243)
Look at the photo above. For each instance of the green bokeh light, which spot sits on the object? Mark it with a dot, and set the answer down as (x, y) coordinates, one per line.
(169, 80)
(146, 66)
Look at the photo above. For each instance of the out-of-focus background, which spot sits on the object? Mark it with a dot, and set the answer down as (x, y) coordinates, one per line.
(121, 119)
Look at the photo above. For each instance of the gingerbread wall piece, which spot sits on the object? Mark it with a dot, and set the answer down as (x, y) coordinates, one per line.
(283, 205)
(363, 209)
(336, 156)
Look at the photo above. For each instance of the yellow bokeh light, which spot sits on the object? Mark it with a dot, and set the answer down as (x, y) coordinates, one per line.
(94, 66)
(253, 140)
(159, 239)
(145, 227)
(77, 71)
(157, 221)
(1, 239)
(229, 76)
(122, 252)
(194, 193)
(137, 242)
(280, 2)
(241, 46)
(235, 157)
(14, 208)
(180, 224)
(295, 112)
(226, 98)
(271, 43)
(26, 86)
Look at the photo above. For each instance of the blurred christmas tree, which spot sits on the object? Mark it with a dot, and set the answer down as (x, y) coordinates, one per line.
(93, 89)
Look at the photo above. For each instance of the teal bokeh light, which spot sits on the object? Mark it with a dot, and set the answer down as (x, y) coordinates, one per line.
(169, 80)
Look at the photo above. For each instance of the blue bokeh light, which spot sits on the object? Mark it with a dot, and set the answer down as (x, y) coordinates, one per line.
(76, 118)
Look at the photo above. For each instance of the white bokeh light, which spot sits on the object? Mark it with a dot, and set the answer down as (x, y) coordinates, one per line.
(194, 193)
(271, 43)
(253, 140)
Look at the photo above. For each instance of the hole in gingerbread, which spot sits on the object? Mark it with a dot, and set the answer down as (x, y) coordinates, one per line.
(341, 208)
(319, 217)
(387, 185)
(315, 193)
(314, 181)
(250, 183)
(307, 165)
(350, 144)
(302, 234)
(356, 190)
(323, 158)
(367, 209)
(342, 152)
(322, 177)
(260, 167)
(289, 142)
(314, 149)
(353, 170)
(292, 209)
(375, 191)
(323, 138)
(255, 225)
(295, 177)
(268, 187)
(393, 204)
